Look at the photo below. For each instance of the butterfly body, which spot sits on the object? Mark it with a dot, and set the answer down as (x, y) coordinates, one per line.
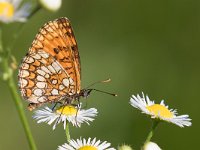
(50, 72)
(66, 100)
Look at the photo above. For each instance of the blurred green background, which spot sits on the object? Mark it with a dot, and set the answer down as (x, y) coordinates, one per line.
(149, 46)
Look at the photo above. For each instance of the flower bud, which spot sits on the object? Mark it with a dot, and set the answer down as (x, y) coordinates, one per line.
(51, 5)
(151, 146)
(124, 147)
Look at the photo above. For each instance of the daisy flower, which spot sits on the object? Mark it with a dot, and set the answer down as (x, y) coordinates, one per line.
(10, 11)
(159, 111)
(83, 144)
(65, 113)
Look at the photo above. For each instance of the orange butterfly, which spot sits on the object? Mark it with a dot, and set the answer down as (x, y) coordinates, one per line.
(50, 72)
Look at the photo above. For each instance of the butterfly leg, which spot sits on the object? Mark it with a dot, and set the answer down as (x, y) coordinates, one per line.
(78, 108)
(55, 104)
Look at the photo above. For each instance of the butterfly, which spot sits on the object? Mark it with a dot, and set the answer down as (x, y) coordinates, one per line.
(51, 71)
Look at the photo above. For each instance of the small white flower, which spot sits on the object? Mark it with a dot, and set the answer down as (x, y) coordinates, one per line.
(159, 111)
(84, 144)
(52, 5)
(65, 113)
(151, 146)
(10, 11)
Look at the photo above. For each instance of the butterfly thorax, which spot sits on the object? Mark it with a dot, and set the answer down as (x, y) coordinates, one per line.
(71, 99)
(66, 100)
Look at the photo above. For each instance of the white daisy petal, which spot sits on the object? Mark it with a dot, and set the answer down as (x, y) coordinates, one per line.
(81, 143)
(73, 143)
(93, 141)
(22, 14)
(159, 111)
(69, 113)
(97, 143)
(16, 3)
(65, 146)
(89, 140)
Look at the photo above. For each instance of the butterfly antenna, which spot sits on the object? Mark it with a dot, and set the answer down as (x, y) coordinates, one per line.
(104, 81)
(104, 92)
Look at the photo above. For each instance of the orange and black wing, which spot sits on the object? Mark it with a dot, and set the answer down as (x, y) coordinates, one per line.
(51, 68)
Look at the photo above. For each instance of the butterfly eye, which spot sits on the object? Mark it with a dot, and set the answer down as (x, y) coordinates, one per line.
(86, 92)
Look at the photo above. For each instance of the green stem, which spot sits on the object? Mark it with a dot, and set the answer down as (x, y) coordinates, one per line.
(35, 10)
(17, 100)
(20, 109)
(67, 131)
(150, 135)
(19, 106)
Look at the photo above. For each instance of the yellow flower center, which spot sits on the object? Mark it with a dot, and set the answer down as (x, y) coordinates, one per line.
(67, 110)
(6, 9)
(88, 148)
(160, 110)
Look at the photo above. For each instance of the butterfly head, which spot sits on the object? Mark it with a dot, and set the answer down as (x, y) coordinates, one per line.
(85, 92)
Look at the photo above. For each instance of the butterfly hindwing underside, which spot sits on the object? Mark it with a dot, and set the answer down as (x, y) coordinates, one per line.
(51, 69)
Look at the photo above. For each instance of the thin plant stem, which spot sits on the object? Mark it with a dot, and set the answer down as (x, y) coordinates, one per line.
(21, 113)
(67, 131)
(150, 135)
(19, 105)
(35, 10)
(17, 100)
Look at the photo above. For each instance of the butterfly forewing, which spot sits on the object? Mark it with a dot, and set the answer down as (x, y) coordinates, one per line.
(51, 68)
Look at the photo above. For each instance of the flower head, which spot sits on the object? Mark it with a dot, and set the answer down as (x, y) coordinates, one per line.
(51, 5)
(159, 111)
(83, 144)
(10, 11)
(65, 113)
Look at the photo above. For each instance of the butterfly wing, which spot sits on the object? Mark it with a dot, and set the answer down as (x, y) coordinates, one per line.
(51, 69)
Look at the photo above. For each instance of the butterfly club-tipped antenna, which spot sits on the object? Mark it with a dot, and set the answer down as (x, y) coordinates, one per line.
(86, 92)
(102, 81)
